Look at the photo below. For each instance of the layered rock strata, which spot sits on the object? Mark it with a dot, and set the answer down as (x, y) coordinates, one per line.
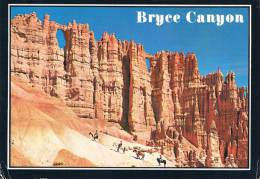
(109, 80)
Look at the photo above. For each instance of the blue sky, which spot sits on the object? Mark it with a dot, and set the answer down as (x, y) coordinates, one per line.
(225, 47)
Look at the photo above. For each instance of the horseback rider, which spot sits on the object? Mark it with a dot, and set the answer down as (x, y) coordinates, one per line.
(96, 135)
(119, 146)
(161, 160)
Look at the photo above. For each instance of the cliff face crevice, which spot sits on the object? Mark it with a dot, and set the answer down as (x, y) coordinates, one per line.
(125, 92)
(108, 80)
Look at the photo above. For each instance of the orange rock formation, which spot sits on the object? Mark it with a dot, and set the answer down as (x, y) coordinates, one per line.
(108, 80)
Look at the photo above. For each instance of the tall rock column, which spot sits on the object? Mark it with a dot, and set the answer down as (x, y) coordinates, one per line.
(213, 158)
(140, 105)
(79, 95)
(112, 77)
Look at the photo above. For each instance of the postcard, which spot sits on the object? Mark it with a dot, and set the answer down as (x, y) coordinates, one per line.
(154, 87)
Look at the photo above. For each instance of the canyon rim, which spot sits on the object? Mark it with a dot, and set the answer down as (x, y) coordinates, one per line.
(61, 97)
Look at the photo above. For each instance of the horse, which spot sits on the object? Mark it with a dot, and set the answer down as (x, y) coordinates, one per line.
(94, 136)
(119, 146)
(139, 154)
(160, 160)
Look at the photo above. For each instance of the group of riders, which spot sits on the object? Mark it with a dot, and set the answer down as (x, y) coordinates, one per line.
(139, 154)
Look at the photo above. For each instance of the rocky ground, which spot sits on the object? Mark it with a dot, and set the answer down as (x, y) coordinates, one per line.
(45, 133)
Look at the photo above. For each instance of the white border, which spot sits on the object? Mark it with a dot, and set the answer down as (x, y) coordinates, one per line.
(133, 5)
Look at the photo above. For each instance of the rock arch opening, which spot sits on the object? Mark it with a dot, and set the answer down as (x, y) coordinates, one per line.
(148, 64)
(61, 38)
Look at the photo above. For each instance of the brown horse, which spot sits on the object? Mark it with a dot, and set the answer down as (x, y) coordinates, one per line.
(160, 160)
(119, 146)
(139, 154)
(94, 136)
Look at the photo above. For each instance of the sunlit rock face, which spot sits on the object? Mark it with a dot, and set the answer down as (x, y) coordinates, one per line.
(108, 80)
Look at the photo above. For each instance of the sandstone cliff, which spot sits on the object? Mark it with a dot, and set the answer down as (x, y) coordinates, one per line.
(108, 80)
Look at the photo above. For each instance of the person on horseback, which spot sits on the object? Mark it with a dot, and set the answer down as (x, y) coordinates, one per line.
(119, 146)
(139, 154)
(161, 160)
(96, 135)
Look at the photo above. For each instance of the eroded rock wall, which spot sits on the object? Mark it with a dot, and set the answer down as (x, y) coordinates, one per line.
(109, 80)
